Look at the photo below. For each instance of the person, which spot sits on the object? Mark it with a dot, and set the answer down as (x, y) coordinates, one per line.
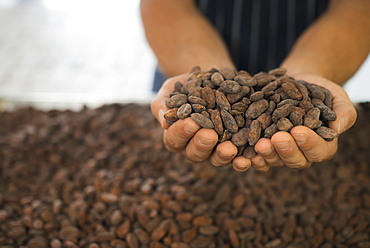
(327, 52)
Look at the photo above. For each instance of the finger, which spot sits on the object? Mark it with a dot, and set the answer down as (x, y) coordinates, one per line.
(224, 154)
(259, 163)
(288, 150)
(177, 136)
(158, 106)
(241, 163)
(346, 114)
(265, 148)
(342, 105)
(315, 148)
(201, 145)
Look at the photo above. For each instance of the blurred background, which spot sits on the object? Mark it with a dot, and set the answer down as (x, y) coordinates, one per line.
(64, 54)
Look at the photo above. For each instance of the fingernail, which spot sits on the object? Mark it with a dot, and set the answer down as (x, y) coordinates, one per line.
(205, 141)
(282, 145)
(300, 138)
(189, 129)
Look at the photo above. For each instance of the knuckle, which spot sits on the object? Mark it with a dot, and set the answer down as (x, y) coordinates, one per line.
(195, 158)
(297, 164)
(172, 145)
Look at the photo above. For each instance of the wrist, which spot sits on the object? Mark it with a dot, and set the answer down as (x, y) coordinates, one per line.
(299, 67)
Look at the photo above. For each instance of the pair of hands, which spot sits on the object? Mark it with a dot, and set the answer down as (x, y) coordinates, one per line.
(297, 149)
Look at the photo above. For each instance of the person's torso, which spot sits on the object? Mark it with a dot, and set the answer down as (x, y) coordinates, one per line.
(260, 33)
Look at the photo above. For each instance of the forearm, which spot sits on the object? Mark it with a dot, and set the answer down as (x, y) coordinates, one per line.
(181, 37)
(336, 45)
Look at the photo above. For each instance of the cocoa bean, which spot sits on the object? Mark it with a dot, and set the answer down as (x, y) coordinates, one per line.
(230, 87)
(241, 137)
(249, 152)
(229, 121)
(176, 101)
(102, 178)
(326, 133)
(217, 122)
(291, 90)
(254, 132)
(217, 78)
(197, 100)
(202, 120)
(284, 124)
(256, 109)
(209, 96)
(222, 101)
(184, 111)
(312, 118)
(227, 73)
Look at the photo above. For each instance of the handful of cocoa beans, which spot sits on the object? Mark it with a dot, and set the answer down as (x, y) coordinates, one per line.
(244, 108)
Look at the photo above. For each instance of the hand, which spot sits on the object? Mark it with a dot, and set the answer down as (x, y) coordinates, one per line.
(186, 136)
(302, 146)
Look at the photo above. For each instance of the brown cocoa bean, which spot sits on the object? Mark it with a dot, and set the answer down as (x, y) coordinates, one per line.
(278, 71)
(233, 98)
(240, 138)
(284, 124)
(217, 78)
(305, 105)
(249, 152)
(197, 100)
(256, 109)
(315, 91)
(282, 111)
(296, 117)
(312, 118)
(159, 232)
(287, 101)
(229, 121)
(240, 121)
(304, 91)
(195, 91)
(256, 96)
(217, 121)
(222, 101)
(326, 113)
(176, 101)
(209, 96)
(245, 80)
(254, 132)
(275, 97)
(227, 73)
(184, 111)
(271, 130)
(265, 120)
(326, 133)
(197, 108)
(171, 115)
(229, 87)
(291, 90)
(177, 86)
(239, 106)
(202, 120)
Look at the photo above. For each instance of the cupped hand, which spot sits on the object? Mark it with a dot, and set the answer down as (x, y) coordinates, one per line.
(302, 146)
(297, 149)
(185, 136)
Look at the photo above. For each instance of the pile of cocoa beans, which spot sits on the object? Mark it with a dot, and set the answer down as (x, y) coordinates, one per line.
(102, 178)
(244, 108)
